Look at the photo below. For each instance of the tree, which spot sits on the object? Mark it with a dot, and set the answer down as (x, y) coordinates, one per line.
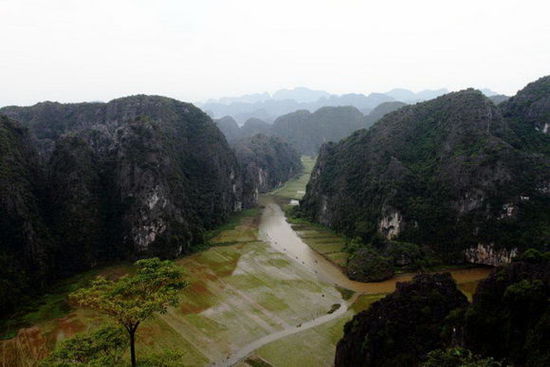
(103, 347)
(134, 298)
(457, 357)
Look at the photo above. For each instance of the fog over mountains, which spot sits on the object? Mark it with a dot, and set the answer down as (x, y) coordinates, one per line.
(268, 107)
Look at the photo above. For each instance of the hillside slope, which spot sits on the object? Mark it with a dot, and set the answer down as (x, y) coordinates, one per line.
(138, 176)
(266, 163)
(445, 173)
(308, 131)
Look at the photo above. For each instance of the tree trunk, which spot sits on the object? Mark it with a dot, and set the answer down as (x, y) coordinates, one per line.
(133, 347)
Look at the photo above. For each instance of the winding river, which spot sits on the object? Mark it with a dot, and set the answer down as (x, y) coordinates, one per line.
(275, 230)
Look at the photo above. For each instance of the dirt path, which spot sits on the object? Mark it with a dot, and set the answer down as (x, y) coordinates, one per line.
(275, 230)
(245, 351)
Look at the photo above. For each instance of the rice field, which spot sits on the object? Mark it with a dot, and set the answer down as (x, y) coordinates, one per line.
(294, 189)
(238, 293)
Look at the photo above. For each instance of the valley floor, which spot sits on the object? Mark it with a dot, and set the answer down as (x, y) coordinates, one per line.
(259, 297)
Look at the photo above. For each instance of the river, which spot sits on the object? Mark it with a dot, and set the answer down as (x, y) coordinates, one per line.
(275, 230)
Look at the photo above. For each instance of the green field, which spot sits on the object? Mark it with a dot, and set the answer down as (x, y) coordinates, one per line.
(319, 238)
(316, 346)
(295, 188)
(238, 293)
(240, 290)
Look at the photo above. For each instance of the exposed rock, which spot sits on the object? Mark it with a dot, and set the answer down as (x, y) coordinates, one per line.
(486, 254)
(138, 176)
(266, 163)
(390, 224)
(447, 173)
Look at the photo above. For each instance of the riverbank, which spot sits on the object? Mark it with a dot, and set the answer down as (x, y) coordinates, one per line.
(257, 293)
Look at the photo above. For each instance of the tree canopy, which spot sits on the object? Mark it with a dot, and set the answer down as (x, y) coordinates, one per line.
(131, 299)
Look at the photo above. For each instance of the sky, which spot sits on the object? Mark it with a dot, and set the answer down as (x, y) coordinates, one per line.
(97, 50)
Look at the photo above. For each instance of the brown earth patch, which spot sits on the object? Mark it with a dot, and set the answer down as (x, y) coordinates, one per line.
(25, 349)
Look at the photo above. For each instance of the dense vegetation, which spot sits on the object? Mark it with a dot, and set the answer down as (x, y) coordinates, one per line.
(134, 177)
(253, 126)
(508, 322)
(26, 246)
(382, 110)
(308, 131)
(266, 163)
(450, 173)
(132, 299)
(509, 318)
(228, 126)
(402, 327)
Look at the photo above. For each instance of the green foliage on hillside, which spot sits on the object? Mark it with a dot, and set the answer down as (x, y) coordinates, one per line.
(266, 162)
(138, 176)
(132, 299)
(367, 265)
(102, 347)
(510, 314)
(458, 357)
(403, 327)
(308, 131)
(447, 172)
(26, 247)
(428, 323)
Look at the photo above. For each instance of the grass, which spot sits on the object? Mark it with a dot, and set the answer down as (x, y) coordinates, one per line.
(324, 241)
(54, 305)
(294, 189)
(240, 227)
(315, 346)
(238, 293)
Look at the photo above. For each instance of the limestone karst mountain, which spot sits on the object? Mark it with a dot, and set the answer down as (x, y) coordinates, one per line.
(138, 176)
(454, 173)
(266, 162)
(308, 131)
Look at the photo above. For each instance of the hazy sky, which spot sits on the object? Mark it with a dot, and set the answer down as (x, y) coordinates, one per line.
(80, 50)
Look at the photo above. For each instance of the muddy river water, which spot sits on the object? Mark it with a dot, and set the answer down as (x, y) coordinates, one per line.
(275, 230)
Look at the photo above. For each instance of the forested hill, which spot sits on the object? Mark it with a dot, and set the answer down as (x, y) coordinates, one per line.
(137, 176)
(308, 131)
(455, 173)
(266, 163)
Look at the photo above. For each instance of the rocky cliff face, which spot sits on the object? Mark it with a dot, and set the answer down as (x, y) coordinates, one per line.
(26, 247)
(161, 167)
(138, 176)
(450, 173)
(266, 163)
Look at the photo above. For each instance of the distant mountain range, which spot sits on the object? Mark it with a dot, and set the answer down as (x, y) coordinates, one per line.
(268, 107)
(306, 131)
